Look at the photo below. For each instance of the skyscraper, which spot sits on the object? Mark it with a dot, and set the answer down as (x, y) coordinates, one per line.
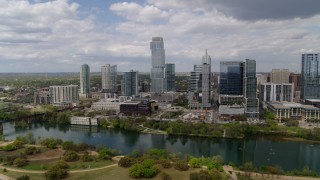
(310, 77)
(171, 77)
(206, 80)
(157, 75)
(109, 77)
(231, 77)
(250, 90)
(130, 83)
(85, 80)
(199, 85)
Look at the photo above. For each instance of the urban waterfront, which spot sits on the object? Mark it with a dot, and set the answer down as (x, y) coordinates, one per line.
(261, 151)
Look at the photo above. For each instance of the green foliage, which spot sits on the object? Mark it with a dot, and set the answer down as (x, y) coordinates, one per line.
(63, 118)
(19, 162)
(24, 177)
(57, 171)
(291, 123)
(86, 157)
(304, 172)
(9, 147)
(68, 145)
(27, 139)
(181, 165)
(31, 150)
(240, 117)
(248, 166)
(107, 153)
(18, 144)
(70, 156)
(156, 153)
(165, 163)
(206, 175)
(195, 162)
(146, 169)
(126, 162)
(50, 142)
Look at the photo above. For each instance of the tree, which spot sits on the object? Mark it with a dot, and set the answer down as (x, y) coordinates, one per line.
(70, 156)
(19, 162)
(126, 162)
(68, 145)
(31, 150)
(181, 165)
(57, 171)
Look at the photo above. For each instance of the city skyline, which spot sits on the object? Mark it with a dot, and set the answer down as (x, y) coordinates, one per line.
(118, 32)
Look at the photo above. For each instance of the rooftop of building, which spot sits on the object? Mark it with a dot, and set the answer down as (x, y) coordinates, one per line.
(288, 105)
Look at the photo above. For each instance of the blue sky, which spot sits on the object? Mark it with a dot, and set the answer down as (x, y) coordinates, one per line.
(60, 35)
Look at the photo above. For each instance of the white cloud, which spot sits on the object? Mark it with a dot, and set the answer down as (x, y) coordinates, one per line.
(54, 37)
(136, 12)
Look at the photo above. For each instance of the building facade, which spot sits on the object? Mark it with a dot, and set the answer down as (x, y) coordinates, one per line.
(206, 81)
(109, 77)
(171, 77)
(130, 83)
(231, 77)
(279, 76)
(42, 96)
(310, 77)
(276, 92)
(85, 80)
(250, 90)
(157, 75)
(64, 94)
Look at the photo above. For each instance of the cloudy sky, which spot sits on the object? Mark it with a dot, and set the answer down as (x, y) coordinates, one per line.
(59, 36)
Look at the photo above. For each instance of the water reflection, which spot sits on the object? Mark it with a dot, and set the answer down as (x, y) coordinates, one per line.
(259, 150)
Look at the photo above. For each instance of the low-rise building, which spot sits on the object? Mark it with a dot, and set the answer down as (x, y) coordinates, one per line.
(106, 104)
(292, 110)
(137, 106)
(42, 96)
(86, 121)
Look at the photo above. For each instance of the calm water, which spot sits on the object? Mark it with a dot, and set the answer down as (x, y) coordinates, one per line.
(260, 151)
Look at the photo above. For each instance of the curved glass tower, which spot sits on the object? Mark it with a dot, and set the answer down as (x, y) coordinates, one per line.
(85, 80)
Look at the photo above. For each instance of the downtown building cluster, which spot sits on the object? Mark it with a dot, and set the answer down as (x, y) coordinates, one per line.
(239, 89)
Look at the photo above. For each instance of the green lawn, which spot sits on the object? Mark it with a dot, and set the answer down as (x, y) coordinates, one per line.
(44, 164)
(113, 173)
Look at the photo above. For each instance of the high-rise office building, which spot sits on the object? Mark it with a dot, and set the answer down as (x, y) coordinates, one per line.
(310, 77)
(171, 77)
(295, 79)
(195, 84)
(231, 77)
(279, 76)
(206, 80)
(250, 90)
(130, 83)
(276, 92)
(199, 85)
(85, 80)
(64, 94)
(157, 75)
(109, 77)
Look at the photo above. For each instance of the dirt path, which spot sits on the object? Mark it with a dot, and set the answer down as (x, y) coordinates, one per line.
(116, 158)
(233, 174)
(4, 177)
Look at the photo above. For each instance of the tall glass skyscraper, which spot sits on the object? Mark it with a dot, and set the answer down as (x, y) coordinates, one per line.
(310, 77)
(109, 77)
(157, 75)
(231, 77)
(85, 80)
(130, 83)
(250, 90)
(171, 77)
